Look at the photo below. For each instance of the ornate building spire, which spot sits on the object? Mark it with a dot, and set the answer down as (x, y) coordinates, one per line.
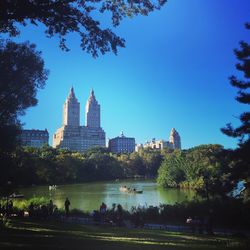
(71, 93)
(92, 112)
(92, 97)
(71, 110)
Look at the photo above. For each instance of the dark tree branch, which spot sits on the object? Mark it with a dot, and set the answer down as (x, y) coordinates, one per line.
(61, 17)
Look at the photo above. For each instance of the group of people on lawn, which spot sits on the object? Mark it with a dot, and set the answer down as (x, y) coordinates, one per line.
(115, 215)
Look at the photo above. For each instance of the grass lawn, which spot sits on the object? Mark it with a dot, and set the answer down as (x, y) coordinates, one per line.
(26, 234)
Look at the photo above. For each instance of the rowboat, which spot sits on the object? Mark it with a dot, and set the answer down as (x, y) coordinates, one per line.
(52, 187)
(16, 196)
(130, 190)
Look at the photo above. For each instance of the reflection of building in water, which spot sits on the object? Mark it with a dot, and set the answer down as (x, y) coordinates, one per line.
(71, 135)
(173, 143)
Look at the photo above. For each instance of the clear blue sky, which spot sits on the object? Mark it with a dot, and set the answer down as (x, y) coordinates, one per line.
(173, 73)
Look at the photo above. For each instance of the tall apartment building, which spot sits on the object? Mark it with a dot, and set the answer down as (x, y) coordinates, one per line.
(122, 144)
(34, 137)
(72, 135)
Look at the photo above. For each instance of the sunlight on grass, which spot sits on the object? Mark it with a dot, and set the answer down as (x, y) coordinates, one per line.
(25, 234)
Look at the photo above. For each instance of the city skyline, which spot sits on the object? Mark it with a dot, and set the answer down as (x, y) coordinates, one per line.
(173, 73)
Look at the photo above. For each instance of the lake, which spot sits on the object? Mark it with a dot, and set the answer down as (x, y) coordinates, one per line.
(89, 196)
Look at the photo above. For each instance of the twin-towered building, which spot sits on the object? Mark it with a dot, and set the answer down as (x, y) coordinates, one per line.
(75, 137)
(72, 135)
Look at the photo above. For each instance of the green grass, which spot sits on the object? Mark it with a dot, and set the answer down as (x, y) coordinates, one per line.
(26, 234)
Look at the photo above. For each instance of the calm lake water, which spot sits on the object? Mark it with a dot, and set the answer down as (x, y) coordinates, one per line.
(89, 196)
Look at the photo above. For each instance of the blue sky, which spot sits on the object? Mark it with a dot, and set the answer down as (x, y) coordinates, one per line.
(173, 73)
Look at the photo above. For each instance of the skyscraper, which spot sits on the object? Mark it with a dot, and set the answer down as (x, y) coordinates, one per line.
(72, 135)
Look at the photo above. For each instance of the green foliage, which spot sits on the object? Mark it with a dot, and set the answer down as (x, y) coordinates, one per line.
(146, 162)
(23, 204)
(202, 168)
(241, 161)
(225, 213)
(171, 173)
(22, 73)
(228, 213)
(243, 56)
(47, 165)
(74, 16)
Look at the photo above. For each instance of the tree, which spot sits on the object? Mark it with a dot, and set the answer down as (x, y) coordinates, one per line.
(151, 160)
(202, 168)
(171, 172)
(240, 156)
(21, 74)
(243, 55)
(61, 17)
(207, 170)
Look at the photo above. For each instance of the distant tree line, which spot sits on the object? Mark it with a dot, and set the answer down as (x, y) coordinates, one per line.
(47, 165)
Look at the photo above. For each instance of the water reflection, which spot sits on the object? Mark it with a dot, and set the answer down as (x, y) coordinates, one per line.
(172, 195)
(89, 196)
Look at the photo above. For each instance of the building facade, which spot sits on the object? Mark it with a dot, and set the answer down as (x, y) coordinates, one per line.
(173, 143)
(158, 144)
(34, 137)
(122, 144)
(175, 139)
(72, 135)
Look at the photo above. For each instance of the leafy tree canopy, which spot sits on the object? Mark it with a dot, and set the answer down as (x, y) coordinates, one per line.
(62, 17)
(203, 168)
(240, 156)
(21, 74)
(243, 85)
